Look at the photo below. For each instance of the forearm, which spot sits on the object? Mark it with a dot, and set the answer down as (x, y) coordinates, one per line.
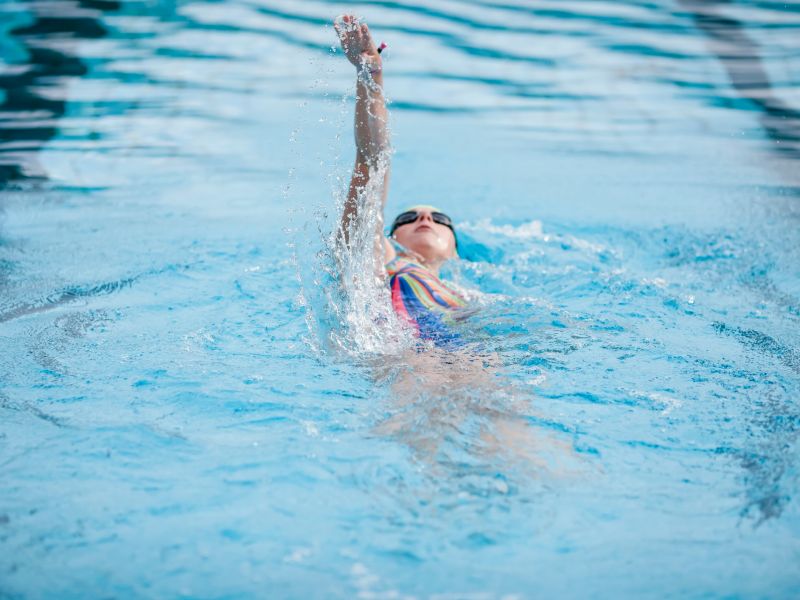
(372, 145)
(371, 130)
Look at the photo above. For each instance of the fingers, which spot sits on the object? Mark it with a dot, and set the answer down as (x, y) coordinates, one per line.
(350, 24)
(345, 23)
(355, 38)
(341, 24)
(368, 43)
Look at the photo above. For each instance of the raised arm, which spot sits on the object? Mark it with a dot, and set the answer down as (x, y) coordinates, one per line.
(371, 131)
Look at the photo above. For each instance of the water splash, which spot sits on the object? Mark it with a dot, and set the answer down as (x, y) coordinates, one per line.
(360, 295)
(343, 287)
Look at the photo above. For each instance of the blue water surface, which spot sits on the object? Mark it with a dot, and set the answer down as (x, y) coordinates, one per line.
(625, 178)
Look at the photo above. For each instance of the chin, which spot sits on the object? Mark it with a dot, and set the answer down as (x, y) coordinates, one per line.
(429, 251)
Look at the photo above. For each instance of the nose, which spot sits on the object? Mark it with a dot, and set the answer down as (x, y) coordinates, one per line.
(425, 216)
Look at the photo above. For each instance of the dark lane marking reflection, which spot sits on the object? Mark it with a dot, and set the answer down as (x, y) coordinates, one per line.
(747, 74)
(28, 117)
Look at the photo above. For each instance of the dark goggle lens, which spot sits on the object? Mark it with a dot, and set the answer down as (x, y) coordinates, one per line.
(405, 218)
(442, 219)
(412, 215)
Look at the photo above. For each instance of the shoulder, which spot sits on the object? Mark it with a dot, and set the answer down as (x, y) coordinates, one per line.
(397, 264)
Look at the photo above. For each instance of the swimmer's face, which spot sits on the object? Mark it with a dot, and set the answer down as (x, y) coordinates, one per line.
(432, 241)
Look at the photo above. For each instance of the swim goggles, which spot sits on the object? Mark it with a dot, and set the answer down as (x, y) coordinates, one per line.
(409, 216)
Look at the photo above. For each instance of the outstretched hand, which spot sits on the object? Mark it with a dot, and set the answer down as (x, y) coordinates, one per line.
(357, 43)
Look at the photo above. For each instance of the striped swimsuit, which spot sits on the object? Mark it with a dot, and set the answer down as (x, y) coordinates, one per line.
(421, 299)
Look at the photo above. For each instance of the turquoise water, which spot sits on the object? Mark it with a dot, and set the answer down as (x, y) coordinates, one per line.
(175, 420)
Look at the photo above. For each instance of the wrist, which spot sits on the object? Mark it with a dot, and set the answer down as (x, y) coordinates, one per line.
(372, 65)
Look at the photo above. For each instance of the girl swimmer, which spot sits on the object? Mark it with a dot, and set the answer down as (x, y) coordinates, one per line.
(422, 237)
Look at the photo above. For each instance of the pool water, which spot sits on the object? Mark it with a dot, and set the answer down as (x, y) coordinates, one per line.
(191, 408)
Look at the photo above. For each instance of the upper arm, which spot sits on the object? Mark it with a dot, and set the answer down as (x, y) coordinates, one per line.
(383, 251)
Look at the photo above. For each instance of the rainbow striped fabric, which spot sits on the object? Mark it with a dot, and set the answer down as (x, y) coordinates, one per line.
(421, 299)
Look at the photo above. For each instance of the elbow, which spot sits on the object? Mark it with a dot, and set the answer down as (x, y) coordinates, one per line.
(375, 152)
